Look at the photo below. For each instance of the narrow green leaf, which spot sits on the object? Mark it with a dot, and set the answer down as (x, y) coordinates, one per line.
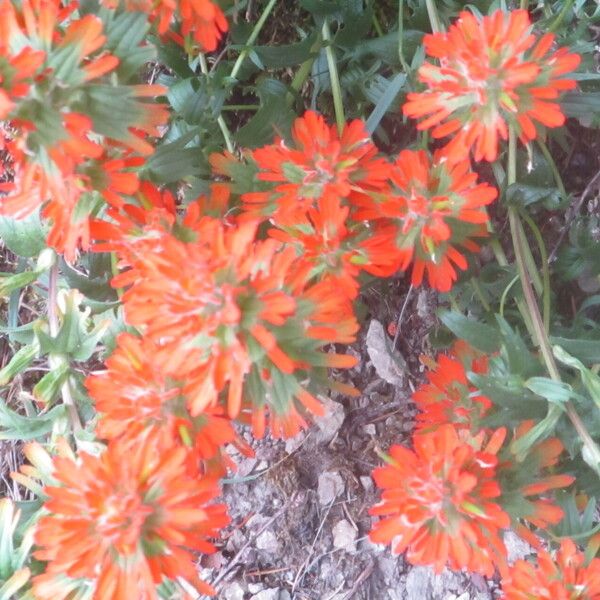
(385, 101)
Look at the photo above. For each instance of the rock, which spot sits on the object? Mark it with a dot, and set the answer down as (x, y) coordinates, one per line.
(388, 362)
(370, 429)
(255, 588)
(330, 486)
(516, 548)
(268, 542)
(344, 536)
(387, 565)
(236, 540)
(268, 594)
(367, 483)
(418, 583)
(329, 424)
(233, 591)
(422, 582)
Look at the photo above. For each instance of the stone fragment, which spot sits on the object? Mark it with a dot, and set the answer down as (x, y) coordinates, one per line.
(329, 487)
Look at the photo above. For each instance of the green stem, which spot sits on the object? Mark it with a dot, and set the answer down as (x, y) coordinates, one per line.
(434, 18)
(252, 107)
(257, 28)
(524, 5)
(545, 270)
(55, 361)
(401, 36)
(479, 294)
(114, 269)
(541, 338)
(561, 15)
(220, 120)
(336, 89)
(557, 178)
(304, 71)
(503, 262)
(377, 25)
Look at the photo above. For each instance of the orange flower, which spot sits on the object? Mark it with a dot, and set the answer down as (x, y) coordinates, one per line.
(123, 522)
(566, 577)
(58, 158)
(327, 245)
(448, 397)
(493, 74)
(319, 165)
(229, 314)
(439, 502)
(526, 484)
(418, 218)
(203, 19)
(134, 393)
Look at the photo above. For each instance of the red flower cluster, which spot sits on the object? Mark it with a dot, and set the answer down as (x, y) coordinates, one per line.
(566, 577)
(432, 206)
(453, 416)
(227, 314)
(493, 74)
(202, 19)
(448, 397)
(59, 143)
(440, 502)
(121, 526)
(346, 209)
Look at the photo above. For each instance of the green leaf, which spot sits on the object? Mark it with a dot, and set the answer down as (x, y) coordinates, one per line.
(585, 350)
(581, 105)
(590, 380)
(47, 389)
(520, 194)
(539, 431)
(557, 392)
(14, 426)
(125, 34)
(385, 101)
(286, 55)
(173, 161)
(24, 237)
(479, 335)
(273, 118)
(18, 363)
(9, 283)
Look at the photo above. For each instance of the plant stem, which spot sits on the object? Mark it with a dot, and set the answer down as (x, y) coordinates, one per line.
(561, 15)
(259, 25)
(401, 36)
(377, 25)
(541, 340)
(544, 266)
(220, 120)
(304, 71)
(557, 178)
(434, 18)
(524, 5)
(336, 89)
(55, 361)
